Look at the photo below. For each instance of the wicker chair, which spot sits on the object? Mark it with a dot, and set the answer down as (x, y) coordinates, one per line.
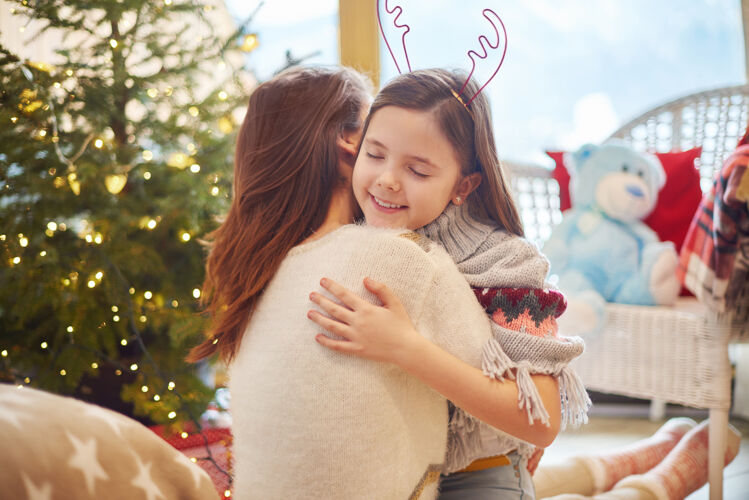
(667, 354)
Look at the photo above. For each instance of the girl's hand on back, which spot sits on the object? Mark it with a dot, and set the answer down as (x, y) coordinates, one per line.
(380, 333)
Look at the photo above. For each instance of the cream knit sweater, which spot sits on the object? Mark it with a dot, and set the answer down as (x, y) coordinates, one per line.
(312, 423)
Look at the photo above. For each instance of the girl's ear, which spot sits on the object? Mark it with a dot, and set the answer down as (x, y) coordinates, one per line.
(467, 185)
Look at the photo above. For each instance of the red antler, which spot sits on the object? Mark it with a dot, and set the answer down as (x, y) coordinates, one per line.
(482, 40)
(397, 10)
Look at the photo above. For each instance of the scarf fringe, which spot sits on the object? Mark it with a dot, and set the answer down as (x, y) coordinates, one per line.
(464, 438)
(575, 399)
(495, 363)
(529, 398)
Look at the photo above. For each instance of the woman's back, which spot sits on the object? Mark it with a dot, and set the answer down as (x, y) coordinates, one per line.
(312, 423)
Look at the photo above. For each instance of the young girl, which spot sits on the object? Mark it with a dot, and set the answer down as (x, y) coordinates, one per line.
(308, 422)
(428, 162)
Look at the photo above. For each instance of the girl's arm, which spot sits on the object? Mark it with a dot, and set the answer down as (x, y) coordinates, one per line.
(386, 333)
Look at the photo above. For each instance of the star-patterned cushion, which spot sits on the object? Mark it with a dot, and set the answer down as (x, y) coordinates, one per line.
(57, 448)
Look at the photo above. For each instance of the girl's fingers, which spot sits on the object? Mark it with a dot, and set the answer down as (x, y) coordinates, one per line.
(381, 290)
(330, 325)
(344, 346)
(336, 310)
(349, 298)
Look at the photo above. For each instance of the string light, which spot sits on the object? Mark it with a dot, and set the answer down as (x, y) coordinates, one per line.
(222, 95)
(43, 345)
(227, 493)
(185, 236)
(115, 309)
(143, 318)
(171, 386)
(193, 111)
(144, 388)
(196, 293)
(132, 291)
(91, 283)
(113, 43)
(4, 353)
(151, 224)
(134, 367)
(148, 295)
(147, 155)
(184, 435)
(98, 143)
(175, 303)
(94, 365)
(123, 341)
(99, 275)
(16, 260)
(52, 226)
(23, 241)
(63, 372)
(43, 253)
(195, 168)
(172, 414)
(152, 93)
(156, 397)
(146, 175)
(70, 329)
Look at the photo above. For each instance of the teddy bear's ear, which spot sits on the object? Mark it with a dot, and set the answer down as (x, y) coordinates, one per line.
(581, 155)
(659, 175)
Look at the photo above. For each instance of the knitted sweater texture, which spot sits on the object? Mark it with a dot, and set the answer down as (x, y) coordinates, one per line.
(309, 422)
(508, 275)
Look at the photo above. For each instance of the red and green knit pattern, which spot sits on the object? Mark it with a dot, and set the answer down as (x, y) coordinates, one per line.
(529, 310)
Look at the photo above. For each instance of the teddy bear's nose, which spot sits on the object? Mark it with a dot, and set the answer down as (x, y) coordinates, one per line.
(635, 191)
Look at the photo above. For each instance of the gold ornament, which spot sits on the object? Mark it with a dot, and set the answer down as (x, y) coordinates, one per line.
(41, 66)
(225, 124)
(179, 160)
(249, 42)
(115, 183)
(75, 185)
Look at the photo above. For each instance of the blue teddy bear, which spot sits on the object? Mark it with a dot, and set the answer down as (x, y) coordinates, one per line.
(602, 251)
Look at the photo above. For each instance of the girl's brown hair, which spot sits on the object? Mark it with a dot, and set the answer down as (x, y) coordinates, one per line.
(285, 172)
(470, 132)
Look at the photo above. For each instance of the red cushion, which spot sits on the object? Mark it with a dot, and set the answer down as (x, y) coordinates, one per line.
(677, 200)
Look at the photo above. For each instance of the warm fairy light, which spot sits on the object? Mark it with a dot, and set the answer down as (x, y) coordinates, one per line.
(146, 175)
(143, 318)
(52, 226)
(116, 319)
(144, 388)
(168, 91)
(16, 260)
(94, 365)
(63, 227)
(63, 372)
(191, 147)
(184, 435)
(195, 168)
(118, 372)
(134, 367)
(151, 224)
(66, 282)
(42, 133)
(99, 275)
(89, 238)
(196, 293)
(123, 342)
(91, 283)
(13, 119)
(156, 397)
(43, 345)
(23, 241)
(69, 72)
(152, 93)
(171, 386)
(98, 143)
(43, 253)
(132, 291)
(179, 160)
(49, 232)
(4, 353)
(172, 414)
(185, 236)
(167, 2)
(147, 155)
(214, 190)
(57, 85)
(2, 237)
(98, 238)
(249, 42)
(193, 110)
(175, 303)
(113, 43)
(27, 380)
(147, 294)
(222, 95)
(70, 329)
(227, 493)
(115, 309)
(193, 460)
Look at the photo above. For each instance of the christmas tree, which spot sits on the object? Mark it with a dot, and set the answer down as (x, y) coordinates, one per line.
(115, 160)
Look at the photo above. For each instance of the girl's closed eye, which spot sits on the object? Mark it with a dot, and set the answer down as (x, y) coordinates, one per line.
(374, 156)
(417, 173)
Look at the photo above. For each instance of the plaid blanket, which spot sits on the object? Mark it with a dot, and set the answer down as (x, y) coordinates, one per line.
(714, 261)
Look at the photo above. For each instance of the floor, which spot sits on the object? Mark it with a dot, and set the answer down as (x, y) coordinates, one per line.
(613, 425)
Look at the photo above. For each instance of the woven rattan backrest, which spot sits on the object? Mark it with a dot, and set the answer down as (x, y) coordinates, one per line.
(714, 119)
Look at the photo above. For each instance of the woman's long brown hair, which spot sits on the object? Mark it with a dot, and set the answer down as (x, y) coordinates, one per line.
(470, 133)
(285, 171)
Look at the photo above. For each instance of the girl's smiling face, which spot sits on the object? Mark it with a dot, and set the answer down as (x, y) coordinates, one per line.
(407, 170)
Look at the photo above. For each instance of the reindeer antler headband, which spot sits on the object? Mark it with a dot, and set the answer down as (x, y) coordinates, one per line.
(496, 23)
